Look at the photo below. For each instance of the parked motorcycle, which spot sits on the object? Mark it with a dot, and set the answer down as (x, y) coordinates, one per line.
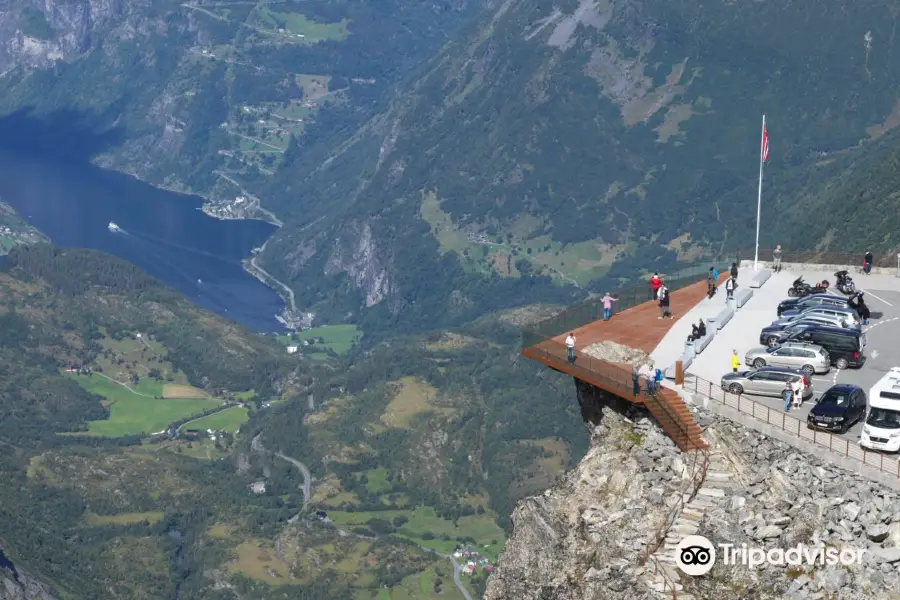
(800, 288)
(844, 283)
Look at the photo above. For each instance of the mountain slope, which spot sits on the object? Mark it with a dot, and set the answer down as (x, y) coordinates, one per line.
(580, 140)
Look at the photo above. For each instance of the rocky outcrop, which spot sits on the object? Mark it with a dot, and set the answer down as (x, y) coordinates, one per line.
(37, 34)
(16, 584)
(356, 254)
(597, 533)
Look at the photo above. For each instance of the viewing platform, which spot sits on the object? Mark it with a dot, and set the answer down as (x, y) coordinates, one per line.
(635, 324)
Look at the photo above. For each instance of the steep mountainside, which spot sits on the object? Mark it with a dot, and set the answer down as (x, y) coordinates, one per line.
(564, 138)
(205, 96)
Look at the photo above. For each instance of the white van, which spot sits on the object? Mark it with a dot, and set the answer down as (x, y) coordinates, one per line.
(882, 428)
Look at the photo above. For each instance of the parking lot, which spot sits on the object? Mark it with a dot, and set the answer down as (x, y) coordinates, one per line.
(742, 333)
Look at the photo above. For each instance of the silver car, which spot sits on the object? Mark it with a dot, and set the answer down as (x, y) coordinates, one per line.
(808, 358)
(767, 381)
(836, 312)
(836, 319)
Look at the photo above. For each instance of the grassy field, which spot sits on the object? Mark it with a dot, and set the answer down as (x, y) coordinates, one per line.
(295, 24)
(229, 420)
(519, 239)
(377, 480)
(257, 560)
(124, 518)
(178, 390)
(413, 397)
(339, 338)
(481, 528)
(132, 413)
(420, 586)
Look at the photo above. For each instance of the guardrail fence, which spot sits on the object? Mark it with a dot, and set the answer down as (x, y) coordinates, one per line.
(821, 258)
(792, 425)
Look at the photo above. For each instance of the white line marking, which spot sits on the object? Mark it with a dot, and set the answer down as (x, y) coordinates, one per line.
(874, 353)
(836, 372)
(876, 297)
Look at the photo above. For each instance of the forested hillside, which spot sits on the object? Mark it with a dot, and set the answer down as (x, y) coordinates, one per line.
(107, 377)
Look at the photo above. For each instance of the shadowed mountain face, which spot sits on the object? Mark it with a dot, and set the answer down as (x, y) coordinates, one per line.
(555, 138)
(435, 170)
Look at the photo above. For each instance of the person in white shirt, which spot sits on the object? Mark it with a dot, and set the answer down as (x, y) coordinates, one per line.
(570, 346)
(797, 392)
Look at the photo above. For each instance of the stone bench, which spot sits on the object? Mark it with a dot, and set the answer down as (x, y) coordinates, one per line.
(760, 279)
(701, 344)
(720, 320)
(742, 296)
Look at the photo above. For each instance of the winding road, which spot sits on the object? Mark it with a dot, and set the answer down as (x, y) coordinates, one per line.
(305, 487)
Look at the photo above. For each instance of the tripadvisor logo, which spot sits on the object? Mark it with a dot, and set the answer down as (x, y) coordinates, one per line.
(695, 555)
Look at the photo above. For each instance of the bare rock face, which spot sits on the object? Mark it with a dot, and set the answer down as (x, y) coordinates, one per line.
(617, 353)
(586, 538)
(16, 584)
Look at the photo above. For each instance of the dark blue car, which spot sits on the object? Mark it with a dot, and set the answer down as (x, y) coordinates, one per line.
(839, 408)
(800, 304)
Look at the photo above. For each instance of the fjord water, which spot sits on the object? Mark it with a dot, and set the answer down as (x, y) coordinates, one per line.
(165, 233)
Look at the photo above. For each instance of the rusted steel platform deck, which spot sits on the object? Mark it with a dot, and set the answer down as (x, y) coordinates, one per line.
(637, 327)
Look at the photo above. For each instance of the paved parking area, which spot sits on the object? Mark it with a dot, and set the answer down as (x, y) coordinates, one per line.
(742, 334)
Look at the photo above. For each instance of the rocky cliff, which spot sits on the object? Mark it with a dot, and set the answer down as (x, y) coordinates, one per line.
(16, 584)
(610, 528)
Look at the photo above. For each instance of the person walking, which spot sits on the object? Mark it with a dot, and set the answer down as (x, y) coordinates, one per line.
(570, 347)
(735, 361)
(734, 271)
(636, 381)
(786, 393)
(862, 309)
(776, 256)
(867, 262)
(729, 288)
(607, 301)
(711, 283)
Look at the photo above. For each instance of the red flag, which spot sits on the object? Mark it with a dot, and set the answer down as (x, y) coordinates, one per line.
(765, 145)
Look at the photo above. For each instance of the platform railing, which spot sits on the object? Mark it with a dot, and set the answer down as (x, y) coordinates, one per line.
(792, 425)
(591, 310)
(818, 257)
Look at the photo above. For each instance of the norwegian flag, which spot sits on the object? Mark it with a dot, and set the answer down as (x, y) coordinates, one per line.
(765, 144)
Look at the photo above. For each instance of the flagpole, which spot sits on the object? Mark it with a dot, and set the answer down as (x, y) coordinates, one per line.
(759, 196)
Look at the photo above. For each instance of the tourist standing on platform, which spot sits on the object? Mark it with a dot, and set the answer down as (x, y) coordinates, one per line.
(655, 284)
(729, 288)
(867, 262)
(570, 347)
(735, 361)
(664, 303)
(635, 380)
(734, 271)
(711, 281)
(786, 394)
(776, 256)
(607, 301)
(797, 392)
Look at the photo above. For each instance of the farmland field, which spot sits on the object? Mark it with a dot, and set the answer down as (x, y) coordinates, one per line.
(131, 413)
(229, 420)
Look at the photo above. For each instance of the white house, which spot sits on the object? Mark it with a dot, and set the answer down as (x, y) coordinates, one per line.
(291, 349)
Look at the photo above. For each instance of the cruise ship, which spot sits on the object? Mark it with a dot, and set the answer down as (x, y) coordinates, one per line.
(113, 227)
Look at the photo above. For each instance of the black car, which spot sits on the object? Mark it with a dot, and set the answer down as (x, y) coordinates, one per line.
(844, 346)
(810, 301)
(775, 334)
(839, 408)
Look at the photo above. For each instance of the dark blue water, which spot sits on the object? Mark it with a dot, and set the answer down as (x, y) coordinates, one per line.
(165, 233)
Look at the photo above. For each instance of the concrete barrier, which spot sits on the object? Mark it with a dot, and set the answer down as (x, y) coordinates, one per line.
(721, 319)
(701, 344)
(690, 349)
(761, 278)
(742, 296)
(830, 269)
(686, 361)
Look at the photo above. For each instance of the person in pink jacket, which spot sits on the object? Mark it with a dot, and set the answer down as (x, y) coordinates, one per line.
(607, 301)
